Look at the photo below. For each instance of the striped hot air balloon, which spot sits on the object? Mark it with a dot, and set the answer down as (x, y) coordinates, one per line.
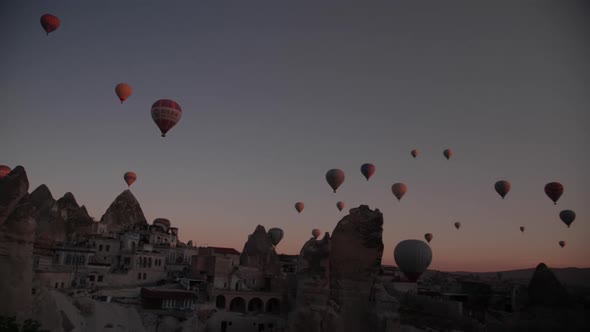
(166, 113)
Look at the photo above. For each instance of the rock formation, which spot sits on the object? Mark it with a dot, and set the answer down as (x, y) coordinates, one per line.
(259, 252)
(17, 234)
(338, 284)
(545, 289)
(123, 213)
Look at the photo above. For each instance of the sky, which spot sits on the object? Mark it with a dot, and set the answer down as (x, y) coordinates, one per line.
(276, 93)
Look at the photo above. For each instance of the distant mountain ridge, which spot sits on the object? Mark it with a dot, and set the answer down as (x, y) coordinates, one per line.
(570, 276)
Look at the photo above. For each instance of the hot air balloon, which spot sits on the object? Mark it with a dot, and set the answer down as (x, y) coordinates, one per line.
(457, 225)
(414, 153)
(502, 188)
(340, 205)
(49, 23)
(335, 177)
(399, 190)
(567, 216)
(123, 91)
(316, 233)
(428, 237)
(166, 113)
(413, 258)
(299, 206)
(448, 153)
(554, 190)
(368, 170)
(4, 170)
(130, 177)
(522, 229)
(562, 243)
(276, 235)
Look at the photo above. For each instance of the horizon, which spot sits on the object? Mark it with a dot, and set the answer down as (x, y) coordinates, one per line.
(275, 95)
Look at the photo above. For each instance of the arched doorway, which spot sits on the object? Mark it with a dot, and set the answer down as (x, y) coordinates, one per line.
(255, 305)
(273, 306)
(220, 302)
(237, 304)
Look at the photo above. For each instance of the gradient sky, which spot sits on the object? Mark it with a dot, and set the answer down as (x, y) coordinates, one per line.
(275, 93)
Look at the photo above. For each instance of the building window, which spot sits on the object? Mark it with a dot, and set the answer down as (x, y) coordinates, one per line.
(62, 285)
(91, 278)
(139, 276)
(108, 247)
(100, 278)
(33, 291)
(144, 276)
(100, 247)
(68, 259)
(56, 259)
(56, 284)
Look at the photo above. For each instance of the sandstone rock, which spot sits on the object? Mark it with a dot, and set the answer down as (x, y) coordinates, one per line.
(545, 289)
(259, 252)
(313, 273)
(123, 213)
(17, 236)
(13, 187)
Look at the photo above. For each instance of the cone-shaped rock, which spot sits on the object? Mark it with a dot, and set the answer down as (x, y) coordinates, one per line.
(545, 289)
(123, 213)
(13, 187)
(259, 252)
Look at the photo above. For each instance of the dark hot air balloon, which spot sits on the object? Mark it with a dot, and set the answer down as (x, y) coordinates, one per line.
(276, 235)
(448, 153)
(130, 177)
(4, 170)
(562, 244)
(166, 113)
(123, 91)
(413, 258)
(502, 188)
(554, 190)
(335, 177)
(299, 206)
(414, 153)
(522, 229)
(368, 170)
(399, 190)
(49, 23)
(567, 216)
(316, 233)
(457, 225)
(340, 205)
(428, 237)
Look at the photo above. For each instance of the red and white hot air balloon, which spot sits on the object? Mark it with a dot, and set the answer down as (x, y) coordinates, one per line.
(166, 113)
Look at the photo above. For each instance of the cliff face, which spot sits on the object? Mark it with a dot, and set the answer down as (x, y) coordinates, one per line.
(123, 213)
(546, 290)
(338, 284)
(259, 252)
(17, 235)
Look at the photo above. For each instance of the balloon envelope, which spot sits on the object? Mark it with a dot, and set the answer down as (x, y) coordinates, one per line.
(457, 225)
(50, 23)
(567, 216)
(412, 257)
(368, 170)
(502, 188)
(130, 177)
(399, 190)
(522, 229)
(276, 235)
(166, 113)
(414, 153)
(299, 206)
(448, 153)
(316, 233)
(335, 177)
(123, 91)
(4, 170)
(340, 205)
(554, 190)
(562, 243)
(428, 237)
